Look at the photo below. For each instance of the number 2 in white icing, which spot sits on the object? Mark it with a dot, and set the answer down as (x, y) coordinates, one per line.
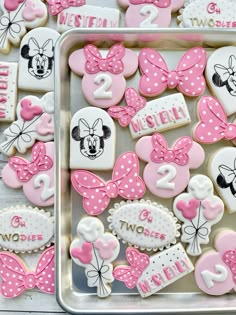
(164, 182)
(209, 277)
(47, 192)
(153, 14)
(101, 92)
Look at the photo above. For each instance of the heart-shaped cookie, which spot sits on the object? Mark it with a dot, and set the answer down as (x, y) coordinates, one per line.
(221, 77)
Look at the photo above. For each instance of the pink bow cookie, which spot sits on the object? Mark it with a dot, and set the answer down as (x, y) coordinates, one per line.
(36, 177)
(149, 13)
(187, 78)
(56, 6)
(97, 193)
(213, 125)
(215, 272)
(167, 172)
(103, 71)
(124, 114)
(16, 278)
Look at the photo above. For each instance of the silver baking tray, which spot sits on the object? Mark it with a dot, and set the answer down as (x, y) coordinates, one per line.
(72, 292)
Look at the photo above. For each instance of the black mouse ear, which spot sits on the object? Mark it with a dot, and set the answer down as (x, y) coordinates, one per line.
(75, 134)
(217, 80)
(106, 132)
(25, 52)
(221, 182)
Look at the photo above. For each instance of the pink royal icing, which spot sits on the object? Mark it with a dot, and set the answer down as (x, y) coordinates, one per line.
(188, 209)
(213, 125)
(105, 249)
(167, 172)
(45, 126)
(187, 78)
(124, 114)
(125, 182)
(215, 270)
(57, 6)
(16, 278)
(29, 111)
(31, 12)
(12, 5)
(84, 254)
(158, 3)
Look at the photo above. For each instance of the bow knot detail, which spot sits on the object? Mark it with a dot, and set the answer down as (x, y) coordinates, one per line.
(45, 50)
(30, 281)
(224, 72)
(158, 3)
(172, 80)
(230, 132)
(87, 130)
(26, 170)
(97, 193)
(178, 154)
(57, 6)
(111, 63)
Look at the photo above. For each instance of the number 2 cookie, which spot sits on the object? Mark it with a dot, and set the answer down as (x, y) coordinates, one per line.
(104, 72)
(149, 13)
(198, 209)
(168, 170)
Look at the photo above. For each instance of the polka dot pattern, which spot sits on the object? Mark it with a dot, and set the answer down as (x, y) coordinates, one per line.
(178, 154)
(229, 259)
(56, 6)
(124, 114)
(26, 170)
(188, 78)
(130, 274)
(125, 182)
(158, 3)
(16, 279)
(213, 125)
(112, 63)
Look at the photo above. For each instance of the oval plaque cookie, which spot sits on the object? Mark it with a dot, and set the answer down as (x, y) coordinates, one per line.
(25, 229)
(144, 224)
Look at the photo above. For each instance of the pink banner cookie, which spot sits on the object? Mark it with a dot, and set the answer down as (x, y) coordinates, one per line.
(198, 209)
(95, 250)
(36, 177)
(103, 72)
(149, 13)
(18, 16)
(213, 125)
(151, 274)
(168, 170)
(215, 269)
(97, 193)
(16, 277)
(187, 78)
(144, 224)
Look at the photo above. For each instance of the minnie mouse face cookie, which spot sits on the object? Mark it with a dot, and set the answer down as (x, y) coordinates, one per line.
(168, 170)
(104, 72)
(36, 62)
(36, 177)
(149, 13)
(221, 77)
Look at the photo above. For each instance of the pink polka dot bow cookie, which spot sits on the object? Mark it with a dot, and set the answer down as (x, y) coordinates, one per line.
(97, 193)
(16, 278)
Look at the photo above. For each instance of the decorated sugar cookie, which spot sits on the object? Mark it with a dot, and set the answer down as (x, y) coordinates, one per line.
(16, 277)
(25, 229)
(148, 117)
(36, 61)
(222, 170)
(95, 250)
(151, 274)
(199, 209)
(208, 14)
(144, 224)
(213, 125)
(168, 170)
(8, 90)
(215, 269)
(97, 193)
(187, 78)
(103, 71)
(35, 121)
(93, 139)
(77, 14)
(17, 17)
(36, 176)
(149, 13)
(220, 74)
